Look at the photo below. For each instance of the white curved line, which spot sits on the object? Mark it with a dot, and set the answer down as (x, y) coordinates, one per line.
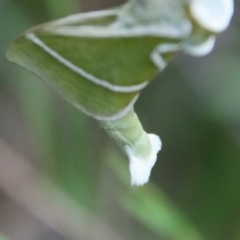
(156, 55)
(80, 71)
(201, 49)
(84, 16)
(113, 31)
(113, 117)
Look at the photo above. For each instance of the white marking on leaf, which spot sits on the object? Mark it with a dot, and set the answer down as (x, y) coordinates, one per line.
(121, 27)
(83, 73)
(121, 113)
(72, 19)
(201, 49)
(154, 30)
(156, 55)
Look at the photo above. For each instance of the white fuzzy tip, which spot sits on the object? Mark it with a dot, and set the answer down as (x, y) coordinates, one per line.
(214, 15)
(140, 169)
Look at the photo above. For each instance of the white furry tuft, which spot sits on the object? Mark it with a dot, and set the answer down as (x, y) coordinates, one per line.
(140, 169)
(214, 15)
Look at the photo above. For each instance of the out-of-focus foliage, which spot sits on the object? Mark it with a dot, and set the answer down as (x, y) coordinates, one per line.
(151, 207)
(194, 105)
(2, 238)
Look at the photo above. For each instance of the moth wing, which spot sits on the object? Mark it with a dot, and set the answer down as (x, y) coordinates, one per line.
(100, 75)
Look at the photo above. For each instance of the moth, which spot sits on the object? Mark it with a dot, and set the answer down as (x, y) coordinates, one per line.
(100, 61)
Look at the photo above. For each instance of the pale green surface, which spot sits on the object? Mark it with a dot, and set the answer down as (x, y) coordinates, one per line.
(120, 61)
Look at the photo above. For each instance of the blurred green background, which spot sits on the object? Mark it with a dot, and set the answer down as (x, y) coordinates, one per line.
(62, 178)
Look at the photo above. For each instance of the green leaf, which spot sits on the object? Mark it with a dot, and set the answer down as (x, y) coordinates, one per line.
(102, 75)
(79, 91)
(99, 61)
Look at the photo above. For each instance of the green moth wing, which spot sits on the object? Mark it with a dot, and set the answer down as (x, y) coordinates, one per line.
(100, 61)
(88, 69)
(75, 88)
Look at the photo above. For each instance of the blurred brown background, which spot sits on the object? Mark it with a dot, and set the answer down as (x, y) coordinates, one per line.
(61, 177)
